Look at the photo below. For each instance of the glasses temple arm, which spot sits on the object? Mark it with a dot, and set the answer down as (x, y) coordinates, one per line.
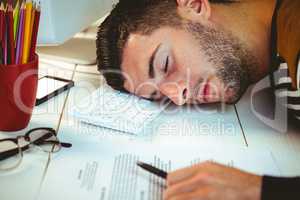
(7, 154)
(63, 144)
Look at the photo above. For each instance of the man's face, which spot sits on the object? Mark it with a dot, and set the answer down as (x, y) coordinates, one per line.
(193, 64)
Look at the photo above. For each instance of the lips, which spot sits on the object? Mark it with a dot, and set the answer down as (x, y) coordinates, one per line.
(206, 90)
(203, 92)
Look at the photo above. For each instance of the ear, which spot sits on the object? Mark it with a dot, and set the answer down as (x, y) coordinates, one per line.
(194, 8)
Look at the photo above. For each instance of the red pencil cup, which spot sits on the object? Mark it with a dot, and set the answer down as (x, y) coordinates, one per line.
(18, 87)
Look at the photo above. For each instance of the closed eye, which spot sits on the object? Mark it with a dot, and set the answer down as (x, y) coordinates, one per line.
(166, 65)
(155, 96)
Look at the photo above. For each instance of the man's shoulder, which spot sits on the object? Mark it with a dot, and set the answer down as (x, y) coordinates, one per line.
(285, 90)
(288, 33)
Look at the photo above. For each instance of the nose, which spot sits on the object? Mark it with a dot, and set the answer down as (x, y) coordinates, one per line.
(177, 92)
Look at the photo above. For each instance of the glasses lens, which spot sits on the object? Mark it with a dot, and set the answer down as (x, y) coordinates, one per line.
(10, 155)
(46, 140)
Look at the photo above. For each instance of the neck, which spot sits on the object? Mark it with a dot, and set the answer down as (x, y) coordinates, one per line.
(250, 21)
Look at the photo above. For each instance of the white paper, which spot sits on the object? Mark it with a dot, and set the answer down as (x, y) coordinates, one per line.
(115, 110)
(106, 169)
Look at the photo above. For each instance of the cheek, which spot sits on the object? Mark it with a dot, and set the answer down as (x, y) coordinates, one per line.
(191, 62)
(184, 62)
(194, 67)
(192, 59)
(216, 87)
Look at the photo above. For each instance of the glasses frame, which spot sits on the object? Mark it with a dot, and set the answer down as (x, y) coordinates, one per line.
(41, 140)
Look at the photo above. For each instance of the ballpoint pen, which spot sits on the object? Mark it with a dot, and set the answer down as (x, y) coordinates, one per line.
(153, 170)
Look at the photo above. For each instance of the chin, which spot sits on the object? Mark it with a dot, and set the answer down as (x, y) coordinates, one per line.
(234, 94)
(233, 99)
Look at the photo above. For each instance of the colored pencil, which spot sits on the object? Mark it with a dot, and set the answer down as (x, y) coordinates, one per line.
(2, 26)
(20, 35)
(19, 27)
(5, 43)
(16, 19)
(35, 32)
(1, 56)
(31, 28)
(27, 32)
(1, 33)
(10, 34)
(1, 21)
(4, 40)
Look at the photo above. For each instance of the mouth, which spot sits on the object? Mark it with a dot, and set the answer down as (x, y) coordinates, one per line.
(206, 91)
(203, 92)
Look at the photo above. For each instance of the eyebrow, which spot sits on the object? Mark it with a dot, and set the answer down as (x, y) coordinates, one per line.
(151, 63)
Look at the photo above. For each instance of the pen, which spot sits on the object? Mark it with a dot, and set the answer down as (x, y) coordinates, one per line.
(153, 170)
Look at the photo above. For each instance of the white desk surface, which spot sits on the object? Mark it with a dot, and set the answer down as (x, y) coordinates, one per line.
(25, 182)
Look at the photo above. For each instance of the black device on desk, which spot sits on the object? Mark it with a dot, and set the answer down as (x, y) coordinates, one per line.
(49, 87)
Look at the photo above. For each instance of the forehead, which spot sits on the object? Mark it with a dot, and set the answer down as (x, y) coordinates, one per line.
(134, 60)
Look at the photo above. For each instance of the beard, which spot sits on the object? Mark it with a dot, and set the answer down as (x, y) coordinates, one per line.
(233, 61)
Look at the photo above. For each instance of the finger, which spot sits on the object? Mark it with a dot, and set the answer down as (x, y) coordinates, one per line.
(181, 175)
(196, 195)
(186, 173)
(190, 185)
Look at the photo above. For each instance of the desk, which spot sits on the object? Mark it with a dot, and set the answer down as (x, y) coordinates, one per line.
(25, 181)
(245, 132)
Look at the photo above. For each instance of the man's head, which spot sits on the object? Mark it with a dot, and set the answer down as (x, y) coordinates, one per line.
(174, 49)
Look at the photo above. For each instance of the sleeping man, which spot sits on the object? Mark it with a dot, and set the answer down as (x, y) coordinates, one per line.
(204, 51)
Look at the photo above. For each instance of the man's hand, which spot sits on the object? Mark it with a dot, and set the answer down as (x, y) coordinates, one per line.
(211, 181)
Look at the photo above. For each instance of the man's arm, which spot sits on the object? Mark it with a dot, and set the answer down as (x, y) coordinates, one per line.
(214, 181)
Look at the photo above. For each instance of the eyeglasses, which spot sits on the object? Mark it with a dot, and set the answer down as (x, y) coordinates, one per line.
(11, 149)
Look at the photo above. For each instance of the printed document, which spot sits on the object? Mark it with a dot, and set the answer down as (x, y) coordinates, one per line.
(106, 169)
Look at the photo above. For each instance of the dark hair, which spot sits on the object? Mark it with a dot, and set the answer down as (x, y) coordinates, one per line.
(131, 16)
